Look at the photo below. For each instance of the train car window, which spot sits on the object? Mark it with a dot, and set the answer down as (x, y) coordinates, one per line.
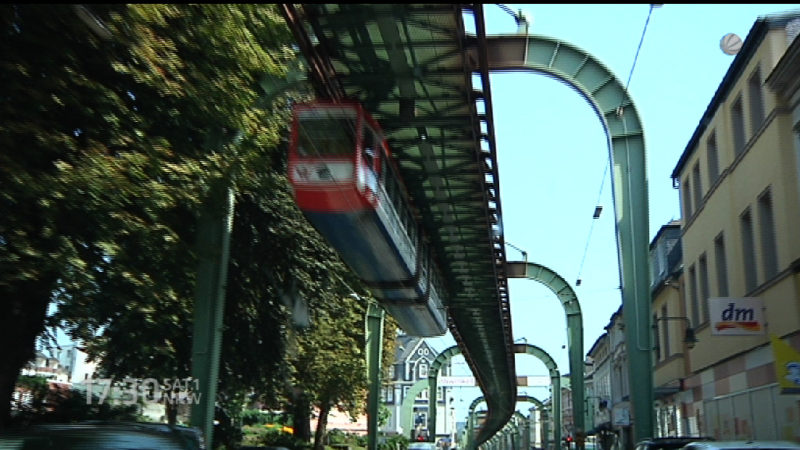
(326, 136)
(369, 148)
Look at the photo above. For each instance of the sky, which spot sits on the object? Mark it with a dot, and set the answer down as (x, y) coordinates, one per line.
(553, 158)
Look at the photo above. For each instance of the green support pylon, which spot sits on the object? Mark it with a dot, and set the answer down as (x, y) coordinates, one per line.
(432, 409)
(213, 248)
(374, 342)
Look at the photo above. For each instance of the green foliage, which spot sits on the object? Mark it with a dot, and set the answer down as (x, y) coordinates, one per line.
(276, 438)
(337, 436)
(227, 431)
(69, 405)
(254, 417)
(384, 413)
(112, 146)
(394, 442)
(37, 388)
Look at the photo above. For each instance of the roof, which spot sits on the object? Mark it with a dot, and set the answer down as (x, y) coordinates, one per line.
(785, 74)
(671, 225)
(751, 43)
(597, 343)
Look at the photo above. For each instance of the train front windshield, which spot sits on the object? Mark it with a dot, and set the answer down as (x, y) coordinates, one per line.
(326, 134)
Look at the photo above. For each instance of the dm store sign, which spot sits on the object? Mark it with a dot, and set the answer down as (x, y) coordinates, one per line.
(736, 316)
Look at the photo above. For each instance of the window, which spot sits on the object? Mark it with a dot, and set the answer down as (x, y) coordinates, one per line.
(698, 192)
(687, 199)
(657, 338)
(748, 251)
(405, 391)
(769, 250)
(369, 148)
(756, 101)
(326, 136)
(737, 119)
(392, 372)
(713, 158)
(423, 370)
(702, 273)
(666, 330)
(722, 265)
(693, 306)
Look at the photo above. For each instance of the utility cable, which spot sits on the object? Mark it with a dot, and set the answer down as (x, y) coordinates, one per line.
(605, 171)
(591, 228)
(638, 49)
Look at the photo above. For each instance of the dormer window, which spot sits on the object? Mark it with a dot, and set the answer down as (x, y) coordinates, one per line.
(423, 369)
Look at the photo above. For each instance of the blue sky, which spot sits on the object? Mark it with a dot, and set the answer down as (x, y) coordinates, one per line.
(553, 158)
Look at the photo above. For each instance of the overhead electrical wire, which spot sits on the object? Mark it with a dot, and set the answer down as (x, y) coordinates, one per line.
(605, 170)
(591, 228)
(639, 48)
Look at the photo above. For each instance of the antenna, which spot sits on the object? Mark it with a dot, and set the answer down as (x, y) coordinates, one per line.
(730, 44)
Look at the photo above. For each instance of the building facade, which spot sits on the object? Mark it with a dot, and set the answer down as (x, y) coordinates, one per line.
(610, 380)
(671, 327)
(412, 361)
(740, 200)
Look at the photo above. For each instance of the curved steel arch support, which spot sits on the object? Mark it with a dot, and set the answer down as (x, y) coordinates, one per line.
(433, 373)
(569, 300)
(555, 379)
(520, 398)
(625, 139)
(543, 416)
(407, 408)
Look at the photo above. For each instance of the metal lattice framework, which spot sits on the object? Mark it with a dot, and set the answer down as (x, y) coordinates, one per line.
(412, 66)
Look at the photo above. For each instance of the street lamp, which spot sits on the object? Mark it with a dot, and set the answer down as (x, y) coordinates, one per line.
(689, 338)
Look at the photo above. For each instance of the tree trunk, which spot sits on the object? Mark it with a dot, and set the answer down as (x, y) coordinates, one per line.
(21, 322)
(322, 423)
(301, 413)
(171, 410)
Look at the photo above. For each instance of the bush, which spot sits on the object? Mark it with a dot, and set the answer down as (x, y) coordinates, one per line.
(65, 406)
(254, 417)
(275, 438)
(336, 436)
(391, 443)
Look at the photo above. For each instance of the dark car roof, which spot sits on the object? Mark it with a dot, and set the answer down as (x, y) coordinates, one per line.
(95, 436)
(670, 443)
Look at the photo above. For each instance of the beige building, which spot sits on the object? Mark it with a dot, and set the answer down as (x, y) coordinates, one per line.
(673, 333)
(740, 199)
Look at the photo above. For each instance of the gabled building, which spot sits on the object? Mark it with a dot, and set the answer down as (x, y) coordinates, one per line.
(412, 361)
(739, 180)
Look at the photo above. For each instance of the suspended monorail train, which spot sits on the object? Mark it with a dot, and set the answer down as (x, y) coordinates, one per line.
(347, 186)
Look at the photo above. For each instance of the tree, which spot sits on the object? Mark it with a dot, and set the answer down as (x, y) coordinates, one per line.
(110, 146)
(330, 363)
(115, 135)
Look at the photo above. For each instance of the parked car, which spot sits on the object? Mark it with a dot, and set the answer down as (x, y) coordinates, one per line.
(669, 443)
(101, 436)
(743, 445)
